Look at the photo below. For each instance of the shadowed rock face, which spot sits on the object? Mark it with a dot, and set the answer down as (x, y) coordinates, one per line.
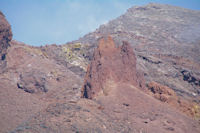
(111, 64)
(5, 35)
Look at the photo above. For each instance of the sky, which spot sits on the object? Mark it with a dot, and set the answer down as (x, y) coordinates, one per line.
(41, 22)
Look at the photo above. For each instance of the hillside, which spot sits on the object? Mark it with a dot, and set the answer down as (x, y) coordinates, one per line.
(166, 40)
(140, 71)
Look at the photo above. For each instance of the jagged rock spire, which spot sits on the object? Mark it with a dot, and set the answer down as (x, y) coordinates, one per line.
(110, 64)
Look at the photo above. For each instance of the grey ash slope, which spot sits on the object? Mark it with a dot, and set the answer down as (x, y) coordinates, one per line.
(167, 43)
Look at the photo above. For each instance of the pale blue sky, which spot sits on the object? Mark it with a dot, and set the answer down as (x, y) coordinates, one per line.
(40, 22)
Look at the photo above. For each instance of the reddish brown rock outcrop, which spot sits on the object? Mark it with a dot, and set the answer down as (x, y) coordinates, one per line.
(5, 35)
(166, 94)
(110, 64)
(161, 92)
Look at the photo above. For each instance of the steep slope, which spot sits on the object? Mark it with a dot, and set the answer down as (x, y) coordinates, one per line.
(29, 80)
(5, 34)
(40, 87)
(166, 40)
(124, 108)
(5, 38)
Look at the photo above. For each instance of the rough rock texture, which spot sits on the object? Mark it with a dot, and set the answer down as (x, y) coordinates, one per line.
(5, 34)
(161, 92)
(5, 38)
(30, 82)
(40, 87)
(111, 64)
(166, 41)
(124, 108)
(16, 106)
(166, 94)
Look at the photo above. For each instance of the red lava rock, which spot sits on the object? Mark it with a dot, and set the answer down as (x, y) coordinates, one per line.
(111, 64)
